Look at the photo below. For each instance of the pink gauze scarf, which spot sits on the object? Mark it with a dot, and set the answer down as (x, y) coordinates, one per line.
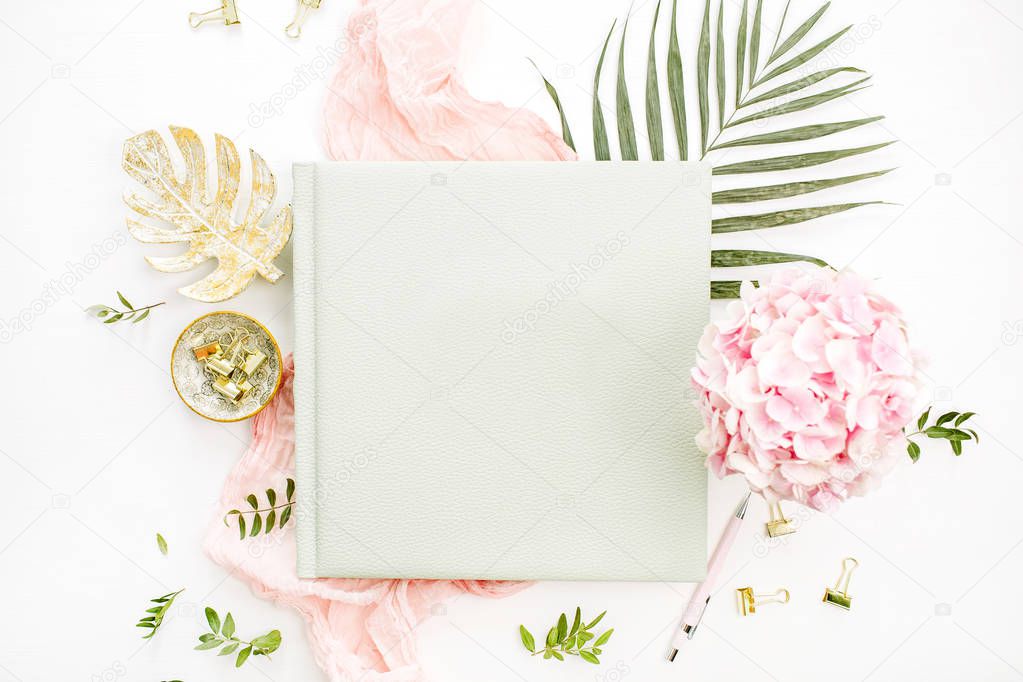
(397, 95)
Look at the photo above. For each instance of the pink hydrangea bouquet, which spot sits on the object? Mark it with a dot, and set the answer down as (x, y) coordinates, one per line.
(806, 386)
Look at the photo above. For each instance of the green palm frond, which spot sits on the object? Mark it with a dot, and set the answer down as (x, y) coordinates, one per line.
(732, 113)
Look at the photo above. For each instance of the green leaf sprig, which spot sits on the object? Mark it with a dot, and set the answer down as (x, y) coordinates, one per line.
(955, 435)
(577, 640)
(222, 635)
(161, 544)
(154, 619)
(276, 515)
(111, 315)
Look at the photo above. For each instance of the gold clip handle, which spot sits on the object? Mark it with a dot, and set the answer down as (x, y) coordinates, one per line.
(227, 12)
(294, 29)
(848, 566)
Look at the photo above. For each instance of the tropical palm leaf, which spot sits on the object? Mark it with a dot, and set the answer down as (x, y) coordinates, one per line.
(763, 93)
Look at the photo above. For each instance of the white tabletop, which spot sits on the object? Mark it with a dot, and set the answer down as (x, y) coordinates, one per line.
(97, 453)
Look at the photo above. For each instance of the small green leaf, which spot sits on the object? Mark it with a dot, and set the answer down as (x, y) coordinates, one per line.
(271, 519)
(795, 161)
(727, 289)
(213, 619)
(557, 655)
(253, 502)
(676, 88)
(596, 620)
(113, 318)
(603, 638)
(734, 258)
(654, 128)
(937, 432)
(228, 628)
(800, 134)
(914, 451)
(161, 544)
(963, 417)
(719, 64)
(243, 656)
(124, 301)
(229, 649)
(589, 657)
(257, 525)
(780, 218)
(211, 644)
(740, 53)
(754, 43)
(922, 421)
(576, 622)
(957, 447)
(271, 496)
(144, 315)
(527, 639)
(241, 527)
(703, 77)
(787, 190)
(552, 636)
(268, 642)
(945, 418)
(566, 133)
(562, 627)
(798, 34)
(285, 515)
(601, 150)
(626, 125)
(291, 489)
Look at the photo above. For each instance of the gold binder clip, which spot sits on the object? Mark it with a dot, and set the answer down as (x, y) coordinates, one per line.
(207, 350)
(294, 29)
(228, 388)
(748, 602)
(228, 13)
(839, 594)
(779, 525)
(253, 361)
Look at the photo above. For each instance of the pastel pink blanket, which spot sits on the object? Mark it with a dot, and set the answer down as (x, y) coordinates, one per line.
(397, 95)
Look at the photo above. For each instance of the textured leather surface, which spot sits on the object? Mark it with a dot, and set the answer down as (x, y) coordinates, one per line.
(492, 369)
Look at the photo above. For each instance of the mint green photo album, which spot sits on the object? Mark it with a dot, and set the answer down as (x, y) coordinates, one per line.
(492, 369)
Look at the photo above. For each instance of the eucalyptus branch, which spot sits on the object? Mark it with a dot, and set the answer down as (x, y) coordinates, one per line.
(562, 640)
(276, 515)
(222, 635)
(111, 315)
(154, 619)
(955, 435)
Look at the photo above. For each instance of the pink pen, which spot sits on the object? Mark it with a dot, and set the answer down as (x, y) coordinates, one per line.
(698, 602)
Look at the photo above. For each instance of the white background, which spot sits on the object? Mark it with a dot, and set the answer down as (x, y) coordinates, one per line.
(97, 453)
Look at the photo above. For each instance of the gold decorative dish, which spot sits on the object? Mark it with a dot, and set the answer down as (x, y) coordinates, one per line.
(195, 384)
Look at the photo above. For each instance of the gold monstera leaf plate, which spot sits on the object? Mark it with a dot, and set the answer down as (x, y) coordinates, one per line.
(206, 223)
